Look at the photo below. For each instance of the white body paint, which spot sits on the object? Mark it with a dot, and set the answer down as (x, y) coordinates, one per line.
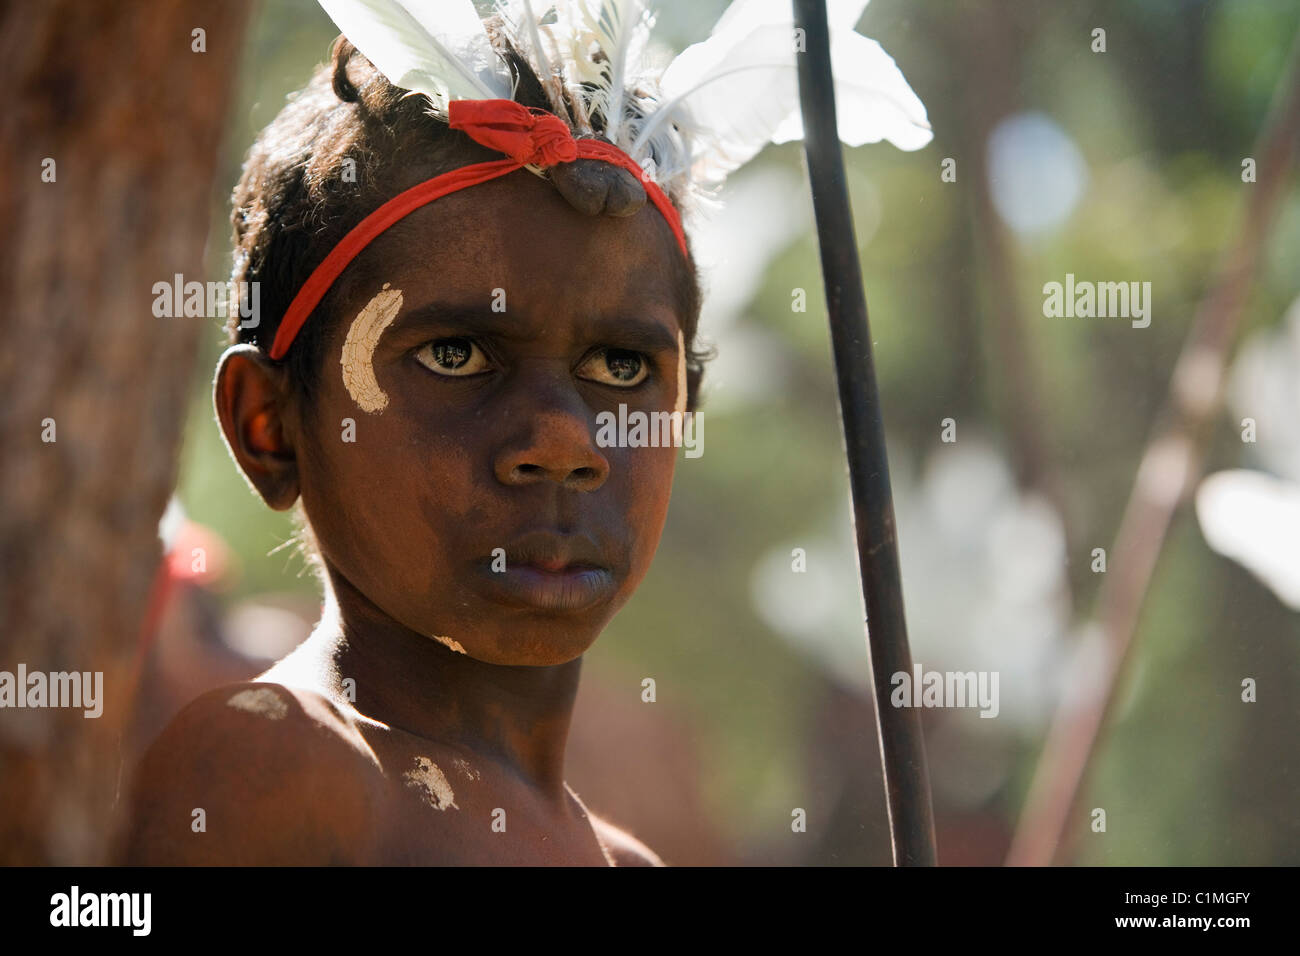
(432, 784)
(262, 701)
(448, 642)
(464, 767)
(359, 349)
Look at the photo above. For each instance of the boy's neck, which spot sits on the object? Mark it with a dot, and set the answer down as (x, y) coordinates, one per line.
(518, 716)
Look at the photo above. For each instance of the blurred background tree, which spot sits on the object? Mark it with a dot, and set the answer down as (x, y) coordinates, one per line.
(110, 141)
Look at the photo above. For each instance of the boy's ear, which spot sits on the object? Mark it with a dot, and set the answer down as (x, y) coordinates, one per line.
(251, 403)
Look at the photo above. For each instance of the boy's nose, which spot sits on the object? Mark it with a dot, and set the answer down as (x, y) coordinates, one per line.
(555, 444)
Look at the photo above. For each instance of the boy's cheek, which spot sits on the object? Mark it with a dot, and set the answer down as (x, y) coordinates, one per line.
(374, 484)
(651, 471)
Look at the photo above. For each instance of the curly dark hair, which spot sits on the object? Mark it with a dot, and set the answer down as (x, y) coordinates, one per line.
(293, 203)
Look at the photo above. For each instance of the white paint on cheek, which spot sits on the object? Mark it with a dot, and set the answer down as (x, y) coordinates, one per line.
(359, 349)
(261, 701)
(432, 784)
(448, 642)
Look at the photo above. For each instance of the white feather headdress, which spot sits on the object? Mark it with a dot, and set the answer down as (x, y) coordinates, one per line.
(689, 125)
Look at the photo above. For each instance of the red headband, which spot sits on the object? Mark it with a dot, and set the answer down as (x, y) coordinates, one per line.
(527, 135)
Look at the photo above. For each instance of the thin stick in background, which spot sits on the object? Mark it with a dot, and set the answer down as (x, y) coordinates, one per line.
(1169, 468)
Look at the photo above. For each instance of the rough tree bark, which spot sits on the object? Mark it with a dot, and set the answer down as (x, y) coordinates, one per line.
(132, 115)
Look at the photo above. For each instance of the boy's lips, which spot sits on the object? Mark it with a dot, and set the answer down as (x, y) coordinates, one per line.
(550, 571)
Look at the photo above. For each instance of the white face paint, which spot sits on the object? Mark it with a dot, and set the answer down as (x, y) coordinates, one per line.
(432, 784)
(359, 349)
(261, 701)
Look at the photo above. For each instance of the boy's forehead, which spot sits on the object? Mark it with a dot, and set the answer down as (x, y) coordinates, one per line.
(519, 236)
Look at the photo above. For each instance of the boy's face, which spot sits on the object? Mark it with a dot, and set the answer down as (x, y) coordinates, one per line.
(476, 343)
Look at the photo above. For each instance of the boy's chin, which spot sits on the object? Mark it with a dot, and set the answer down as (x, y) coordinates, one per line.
(541, 644)
(494, 633)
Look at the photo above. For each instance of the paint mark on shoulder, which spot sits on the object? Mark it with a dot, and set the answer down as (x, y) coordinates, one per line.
(464, 767)
(432, 783)
(262, 701)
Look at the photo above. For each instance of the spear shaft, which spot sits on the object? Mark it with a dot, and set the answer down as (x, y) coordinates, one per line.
(902, 747)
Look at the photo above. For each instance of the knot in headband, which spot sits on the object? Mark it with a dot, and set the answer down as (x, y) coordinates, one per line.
(530, 136)
(527, 135)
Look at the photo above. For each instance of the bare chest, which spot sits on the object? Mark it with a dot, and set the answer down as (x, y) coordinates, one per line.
(435, 807)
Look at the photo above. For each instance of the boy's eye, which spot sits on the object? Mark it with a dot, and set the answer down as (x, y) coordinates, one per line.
(619, 367)
(455, 357)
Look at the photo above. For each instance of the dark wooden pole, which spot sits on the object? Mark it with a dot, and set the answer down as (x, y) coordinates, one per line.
(902, 747)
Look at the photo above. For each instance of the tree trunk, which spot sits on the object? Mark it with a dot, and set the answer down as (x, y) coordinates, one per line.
(131, 115)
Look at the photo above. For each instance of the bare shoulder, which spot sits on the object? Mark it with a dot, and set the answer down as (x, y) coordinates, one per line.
(626, 849)
(252, 773)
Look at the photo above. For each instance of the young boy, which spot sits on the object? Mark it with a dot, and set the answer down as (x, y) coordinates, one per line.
(443, 333)
(436, 416)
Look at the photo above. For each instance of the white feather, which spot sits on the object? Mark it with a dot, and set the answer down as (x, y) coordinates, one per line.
(738, 90)
(436, 47)
(630, 23)
(734, 90)
(605, 40)
(715, 106)
(522, 20)
(872, 101)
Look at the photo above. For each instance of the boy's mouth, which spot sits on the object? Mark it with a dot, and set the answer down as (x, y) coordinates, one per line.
(549, 571)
